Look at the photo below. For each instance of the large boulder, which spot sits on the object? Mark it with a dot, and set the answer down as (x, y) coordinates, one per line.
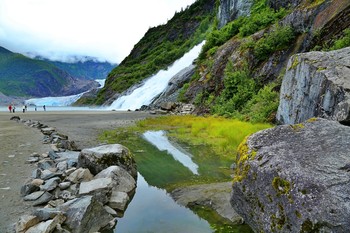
(99, 158)
(316, 84)
(295, 178)
(85, 214)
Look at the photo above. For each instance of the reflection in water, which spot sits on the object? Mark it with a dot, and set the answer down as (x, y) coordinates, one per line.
(159, 139)
(153, 210)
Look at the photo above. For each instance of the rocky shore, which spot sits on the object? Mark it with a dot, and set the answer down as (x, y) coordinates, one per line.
(71, 188)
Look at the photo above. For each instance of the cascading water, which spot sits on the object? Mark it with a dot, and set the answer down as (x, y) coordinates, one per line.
(156, 84)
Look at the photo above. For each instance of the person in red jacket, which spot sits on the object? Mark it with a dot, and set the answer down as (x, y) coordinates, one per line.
(10, 108)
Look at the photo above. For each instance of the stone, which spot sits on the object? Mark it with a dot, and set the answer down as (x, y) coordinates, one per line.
(111, 211)
(44, 214)
(62, 166)
(118, 200)
(294, 178)
(48, 226)
(36, 173)
(25, 222)
(46, 164)
(32, 160)
(85, 214)
(43, 199)
(37, 182)
(48, 130)
(122, 180)
(100, 188)
(80, 175)
(33, 196)
(230, 10)
(64, 185)
(101, 157)
(215, 196)
(47, 174)
(69, 171)
(52, 153)
(50, 184)
(28, 189)
(316, 84)
(66, 195)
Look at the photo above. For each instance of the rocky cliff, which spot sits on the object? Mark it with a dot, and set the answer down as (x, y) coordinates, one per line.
(232, 9)
(316, 84)
(295, 178)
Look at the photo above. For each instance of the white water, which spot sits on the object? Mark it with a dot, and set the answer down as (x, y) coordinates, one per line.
(159, 140)
(156, 84)
(61, 100)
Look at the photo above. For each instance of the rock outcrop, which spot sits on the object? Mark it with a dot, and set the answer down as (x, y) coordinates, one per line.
(316, 84)
(295, 178)
(232, 9)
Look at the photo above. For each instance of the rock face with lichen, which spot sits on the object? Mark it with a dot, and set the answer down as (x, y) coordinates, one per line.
(295, 178)
(316, 84)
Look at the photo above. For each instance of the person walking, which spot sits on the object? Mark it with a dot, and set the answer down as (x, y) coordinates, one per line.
(44, 107)
(13, 109)
(24, 109)
(10, 108)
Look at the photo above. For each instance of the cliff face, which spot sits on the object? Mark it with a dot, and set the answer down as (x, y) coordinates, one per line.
(316, 84)
(313, 24)
(232, 9)
(295, 178)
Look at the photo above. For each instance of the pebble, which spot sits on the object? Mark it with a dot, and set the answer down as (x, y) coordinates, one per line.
(12, 156)
(7, 188)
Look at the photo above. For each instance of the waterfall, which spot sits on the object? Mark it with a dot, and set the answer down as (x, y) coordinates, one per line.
(156, 84)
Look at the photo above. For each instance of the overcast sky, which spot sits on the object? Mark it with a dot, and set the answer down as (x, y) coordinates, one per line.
(107, 29)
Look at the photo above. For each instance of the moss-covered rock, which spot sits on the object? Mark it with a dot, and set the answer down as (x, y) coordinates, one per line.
(298, 180)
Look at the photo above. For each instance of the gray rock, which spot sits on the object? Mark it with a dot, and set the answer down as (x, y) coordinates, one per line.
(294, 178)
(44, 214)
(43, 199)
(47, 174)
(28, 189)
(69, 155)
(100, 188)
(85, 214)
(99, 158)
(52, 153)
(64, 185)
(34, 196)
(122, 180)
(232, 9)
(46, 164)
(32, 160)
(36, 173)
(62, 166)
(213, 196)
(316, 84)
(37, 182)
(50, 184)
(25, 222)
(80, 175)
(48, 130)
(111, 211)
(118, 200)
(48, 226)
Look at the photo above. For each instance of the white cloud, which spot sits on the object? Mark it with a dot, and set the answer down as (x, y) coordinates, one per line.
(107, 29)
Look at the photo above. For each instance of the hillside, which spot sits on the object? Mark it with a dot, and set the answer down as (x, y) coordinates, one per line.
(240, 69)
(85, 67)
(23, 76)
(160, 47)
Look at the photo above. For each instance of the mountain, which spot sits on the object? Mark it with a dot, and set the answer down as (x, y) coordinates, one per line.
(23, 76)
(84, 67)
(248, 45)
(160, 47)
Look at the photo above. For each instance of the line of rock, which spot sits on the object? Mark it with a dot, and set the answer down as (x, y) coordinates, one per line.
(76, 191)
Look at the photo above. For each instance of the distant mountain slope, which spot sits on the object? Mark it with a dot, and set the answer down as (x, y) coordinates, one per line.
(85, 67)
(23, 76)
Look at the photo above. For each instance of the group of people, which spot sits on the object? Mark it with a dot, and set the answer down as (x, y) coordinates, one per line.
(12, 108)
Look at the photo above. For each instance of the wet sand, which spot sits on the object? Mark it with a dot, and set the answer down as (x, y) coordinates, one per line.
(18, 141)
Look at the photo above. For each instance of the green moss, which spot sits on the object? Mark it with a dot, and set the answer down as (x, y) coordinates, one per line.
(281, 186)
(297, 127)
(244, 154)
(313, 119)
(295, 63)
(298, 214)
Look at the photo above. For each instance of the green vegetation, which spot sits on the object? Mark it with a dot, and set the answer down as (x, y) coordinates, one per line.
(281, 186)
(23, 76)
(342, 42)
(261, 17)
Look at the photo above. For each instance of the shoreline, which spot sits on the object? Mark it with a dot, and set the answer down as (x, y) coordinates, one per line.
(18, 142)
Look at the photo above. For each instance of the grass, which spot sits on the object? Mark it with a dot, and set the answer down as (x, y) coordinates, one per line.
(222, 135)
